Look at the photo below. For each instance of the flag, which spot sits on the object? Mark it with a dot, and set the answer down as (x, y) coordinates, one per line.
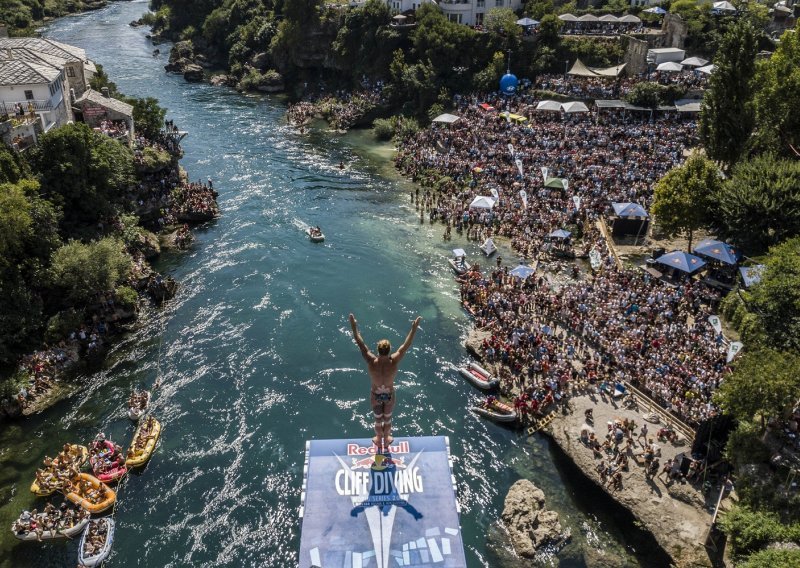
(519, 166)
(495, 194)
(733, 350)
(524, 196)
(577, 201)
(511, 149)
(566, 184)
(545, 171)
(715, 323)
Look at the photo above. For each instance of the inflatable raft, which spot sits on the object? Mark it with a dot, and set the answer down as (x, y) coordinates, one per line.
(479, 376)
(77, 496)
(497, 411)
(81, 454)
(136, 412)
(70, 532)
(315, 237)
(96, 557)
(138, 456)
(97, 462)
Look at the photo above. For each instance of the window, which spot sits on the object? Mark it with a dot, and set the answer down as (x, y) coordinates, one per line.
(28, 95)
(498, 3)
(481, 3)
(455, 18)
(70, 72)
(479, 19)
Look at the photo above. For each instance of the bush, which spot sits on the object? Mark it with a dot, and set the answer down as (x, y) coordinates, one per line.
(383, 128)
(773, 559)
(80, 271)
(62, 324)
(154, 160)
(126, 297)
(749, 530)
(745, 446)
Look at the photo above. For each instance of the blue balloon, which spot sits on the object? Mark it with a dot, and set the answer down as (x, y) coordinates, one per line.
(508, 84)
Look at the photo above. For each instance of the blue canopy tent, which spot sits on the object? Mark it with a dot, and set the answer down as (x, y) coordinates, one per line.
(626, 210)
(526, 22)
(751, 275)
(717, 250)
(559, 234)
(522, 271)
(682, 261)
(655, 10)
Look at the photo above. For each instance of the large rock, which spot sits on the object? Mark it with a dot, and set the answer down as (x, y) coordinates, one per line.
(193, 73)
(260, 61)
(180, 57)
(220, 80)
(528, 523)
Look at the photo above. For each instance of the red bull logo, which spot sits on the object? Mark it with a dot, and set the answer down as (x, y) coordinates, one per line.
(379, 462)
(357, 450)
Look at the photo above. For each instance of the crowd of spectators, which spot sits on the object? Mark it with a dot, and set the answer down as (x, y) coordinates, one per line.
(113, 128)
(617, 324)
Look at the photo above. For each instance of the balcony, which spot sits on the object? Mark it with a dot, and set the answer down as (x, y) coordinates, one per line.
(35, 105)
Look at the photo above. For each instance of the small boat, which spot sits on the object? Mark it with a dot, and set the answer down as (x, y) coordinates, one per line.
(459, 261)
(78, 454)
(97, 556)
(496, 410)
(70, 532)
(40, 491)
(77, 494)
(315, 235)
(479, 376)
(112, 475)
(135, 412)
(488, 247)
(100, 460)
(138, 456)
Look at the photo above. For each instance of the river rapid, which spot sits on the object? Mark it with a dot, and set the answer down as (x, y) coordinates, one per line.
(255, 352)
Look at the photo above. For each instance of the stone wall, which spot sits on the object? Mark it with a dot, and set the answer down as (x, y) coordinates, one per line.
(636, 56)
(675, 31)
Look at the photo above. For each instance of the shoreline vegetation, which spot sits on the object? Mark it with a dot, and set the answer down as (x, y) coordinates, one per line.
(83, 216)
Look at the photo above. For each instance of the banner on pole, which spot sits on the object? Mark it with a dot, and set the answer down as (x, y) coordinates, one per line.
(524, 196)
(733, 350)
(715, 323)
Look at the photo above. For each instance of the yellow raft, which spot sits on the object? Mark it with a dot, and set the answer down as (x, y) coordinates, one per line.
(78, 461)
(76, 494)
(138, 456)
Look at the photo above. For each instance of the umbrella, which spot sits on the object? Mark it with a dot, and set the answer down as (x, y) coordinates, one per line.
(656, 10)
(682, 261)
(525, 22)
(522, 271)
(609, 18)
(669, 66)
(568, 18)
(446, 118)
(694, 62)
(482, 202)
(588, 18)
(630, 19)
(723, 6)
(559, 234)
(718, 250)
(548, 105)
(708, 69)
(629, 210)
(575, 107)
(751, 274)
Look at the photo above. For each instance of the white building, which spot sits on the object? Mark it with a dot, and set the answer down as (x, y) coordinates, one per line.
(467, 12)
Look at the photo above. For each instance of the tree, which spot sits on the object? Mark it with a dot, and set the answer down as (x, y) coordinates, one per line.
(12, 166)
(645, 94)
(776, 298)
(759, 206)
(80, 270)
(502, 22)
(773, 558)
(726, 116)
(364, 43)
(683, 198)
(778, 98)
(83, 172)
(763, 384)
(148, 116)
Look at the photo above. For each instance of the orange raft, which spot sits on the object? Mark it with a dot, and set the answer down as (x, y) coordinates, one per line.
(90, 493)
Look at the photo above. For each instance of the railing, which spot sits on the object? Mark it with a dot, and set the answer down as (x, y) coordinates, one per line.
(37, 105)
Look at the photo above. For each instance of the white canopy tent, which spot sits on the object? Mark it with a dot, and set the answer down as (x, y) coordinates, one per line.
(723, 6)
(446, 118)
(708, 69)
(609, 18)
(589, 18)
(549, 105)
(568, 18)
(482, 202)
(694, 62)
(630, 19)
(575, 106)
(670, 67)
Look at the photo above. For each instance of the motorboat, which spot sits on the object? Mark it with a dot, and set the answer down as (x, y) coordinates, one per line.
(488, 247)
(315, 235)
(495, 410)
(479, 376)
(459, 261)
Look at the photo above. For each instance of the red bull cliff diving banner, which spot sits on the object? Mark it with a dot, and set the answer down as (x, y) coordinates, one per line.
(365, 509)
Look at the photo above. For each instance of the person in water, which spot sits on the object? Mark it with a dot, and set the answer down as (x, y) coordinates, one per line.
(382, 371)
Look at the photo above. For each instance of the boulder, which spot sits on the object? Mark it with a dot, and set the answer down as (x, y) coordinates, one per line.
(474, 342)
(220, 80)
(180, 57)
(529, 524)
(193, 73)
(260, 61)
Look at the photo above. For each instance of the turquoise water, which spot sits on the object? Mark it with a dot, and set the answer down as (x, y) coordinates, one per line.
(255, 350)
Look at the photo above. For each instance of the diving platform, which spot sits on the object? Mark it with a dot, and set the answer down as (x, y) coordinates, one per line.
(361, 508)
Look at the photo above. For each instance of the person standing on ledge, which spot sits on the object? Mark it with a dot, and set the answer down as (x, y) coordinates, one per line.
(382, 371)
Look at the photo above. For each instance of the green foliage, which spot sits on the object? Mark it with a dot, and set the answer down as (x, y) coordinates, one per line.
(62, 324)
(399, 127)
(592, 51)
(646, 94)
(750, 530)
(538, 9)
(83, 172)
(12, 166)
(683, 198)
(776, 298)
(383, 128)
(502, 22)
(81, 270)
(364, 43)
(726, 117)
(488, 78)
(20, 314)
(778, 98)
(101, 80)
(772, 559)
(759, 205)
(148, 116)
(763, 384)
(126, 297)
(746, 446)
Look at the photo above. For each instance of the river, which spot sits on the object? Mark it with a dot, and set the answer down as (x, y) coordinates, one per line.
(255, 350)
